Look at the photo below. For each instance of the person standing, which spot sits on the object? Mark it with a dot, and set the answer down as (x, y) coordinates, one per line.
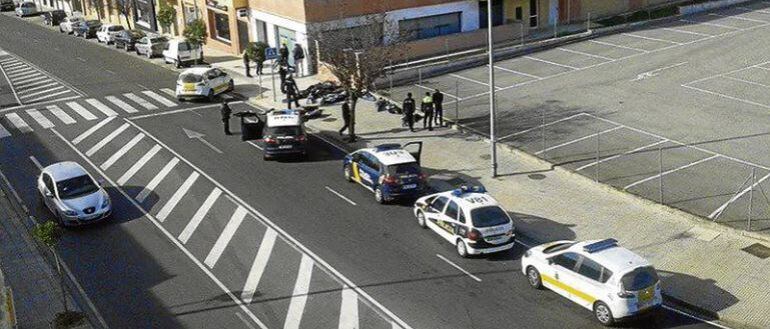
(260, 65)
(282, 72)
(408, 108)
(246, 63)
(345, 116)
(283, 54)
(299, 54)
(290, 89)
(427, 109)
(225, 110)
(438, 100)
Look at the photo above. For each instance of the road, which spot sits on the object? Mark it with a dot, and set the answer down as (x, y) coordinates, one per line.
(201, 239)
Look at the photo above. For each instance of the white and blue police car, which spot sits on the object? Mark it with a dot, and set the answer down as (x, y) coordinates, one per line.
(388, 170)
(284, 134)
(469, 218)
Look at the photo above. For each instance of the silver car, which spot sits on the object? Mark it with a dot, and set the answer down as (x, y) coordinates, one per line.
(72, 195)
(151, 45)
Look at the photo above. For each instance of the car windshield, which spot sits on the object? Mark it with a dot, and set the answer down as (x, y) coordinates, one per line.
(558, 247)
(190, 78)
(283, 131)
(76, 187)
(158, 40)
(409, 168)
(640, 278)
(489, 216)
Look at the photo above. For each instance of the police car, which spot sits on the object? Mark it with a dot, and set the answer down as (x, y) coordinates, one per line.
(284, 134)
(203, 82)
(388, 170)
(612, 281)
(469, 218)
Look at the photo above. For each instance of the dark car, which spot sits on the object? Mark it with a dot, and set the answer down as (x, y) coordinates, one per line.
(54, 17)
(86, 29)
(127, 39)
(7, 5)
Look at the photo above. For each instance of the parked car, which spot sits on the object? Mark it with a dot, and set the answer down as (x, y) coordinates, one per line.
(126, 39)
(181, 52)
(72, 195)
(26, 9)
(54, 17)
(67, 23)
(151, 45)
(87, 29)
(108, 32)
(203, 82)
(7, 5)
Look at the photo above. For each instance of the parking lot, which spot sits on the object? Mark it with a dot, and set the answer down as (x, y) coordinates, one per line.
(668, 111)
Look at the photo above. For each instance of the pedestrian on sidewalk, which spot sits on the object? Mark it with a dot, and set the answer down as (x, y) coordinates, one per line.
(408, 108)
(299, 54)
(283, 54)
(438, 100)
(292, 92)
(226, 112)
(345, 117)
(260, 64)
(246, 64)
(427, 108)
(282, 72)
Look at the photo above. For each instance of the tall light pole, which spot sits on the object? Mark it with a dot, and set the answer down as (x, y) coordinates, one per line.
(492, 140)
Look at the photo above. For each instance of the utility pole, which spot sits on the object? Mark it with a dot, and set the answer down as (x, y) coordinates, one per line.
(492, 139)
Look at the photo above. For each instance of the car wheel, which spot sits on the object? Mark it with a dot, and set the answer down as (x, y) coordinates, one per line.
(231, 86)
(266, 157)
(533, 277)
(177, 63)
(149, 54)
(61, 30)
(211, 96)
(603, 314)
(462, 250)
(378, 196)
(348, 173)
(421, 219)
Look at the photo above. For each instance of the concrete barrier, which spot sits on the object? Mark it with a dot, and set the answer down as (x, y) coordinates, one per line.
(706, 6)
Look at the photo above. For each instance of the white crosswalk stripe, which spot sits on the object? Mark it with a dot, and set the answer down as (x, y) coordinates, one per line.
(4, 132)
(98, 146)
(225, 237)
(177, 196)
(24, 75)
(40, 92)
(80, 110)
(101, 107)
(159, 98)
(121, 152)
(299, 296)
(141, 101)
(259, 265)
(18, 70)
(59, 113)
(40, 118)
(48, 96)
(18, 123)
(156, 180)
(168, 91)
(121, 104)
(138, 165)
(46, 84)
(35, 83)
(196, 219)
(25, 81)
(349, 309)
(91, 130)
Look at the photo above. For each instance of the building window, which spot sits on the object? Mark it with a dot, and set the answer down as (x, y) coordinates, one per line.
(222, 27)
(533, 13)
(430, 26)
(145, 14)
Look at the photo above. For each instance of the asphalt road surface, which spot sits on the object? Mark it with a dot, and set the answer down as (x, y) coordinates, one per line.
(207, 235)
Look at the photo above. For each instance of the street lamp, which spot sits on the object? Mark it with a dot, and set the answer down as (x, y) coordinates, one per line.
(492, 140)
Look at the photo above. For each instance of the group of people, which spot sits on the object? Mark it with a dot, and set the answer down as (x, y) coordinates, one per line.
(283, 60)
(431, 106)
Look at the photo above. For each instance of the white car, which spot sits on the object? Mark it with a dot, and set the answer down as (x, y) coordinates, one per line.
(72, 195)
(180, 52)
(108, 32)
(66, 25)
(469, 218)
(26, 9)
(612, 281)
(203, 82)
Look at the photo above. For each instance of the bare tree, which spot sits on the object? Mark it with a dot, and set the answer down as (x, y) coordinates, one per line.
(97, 5)
(125, 7)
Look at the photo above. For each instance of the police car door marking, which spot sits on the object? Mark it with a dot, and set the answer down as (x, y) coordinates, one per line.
(356, 175)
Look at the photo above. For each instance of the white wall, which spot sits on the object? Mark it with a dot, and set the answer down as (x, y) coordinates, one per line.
(272, 21)
(469, 19)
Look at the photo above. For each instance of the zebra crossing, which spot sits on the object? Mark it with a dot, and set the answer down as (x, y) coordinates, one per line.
(32, 85)
(89, 109)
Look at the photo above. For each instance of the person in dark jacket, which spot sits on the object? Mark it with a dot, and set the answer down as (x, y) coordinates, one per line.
(427, 108)
(246, 64)
(299, 54)
(408, 107)
(283, 54)
(438, 100)
(225, 109)
(290, 89)
(345, 117)
(282, 72)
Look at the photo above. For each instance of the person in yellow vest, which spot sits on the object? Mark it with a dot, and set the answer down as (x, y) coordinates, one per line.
(427, 109)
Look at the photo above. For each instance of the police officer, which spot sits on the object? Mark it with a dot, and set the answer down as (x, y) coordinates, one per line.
(299, 54)
(345, 116)
(427, 109)
(246, 64)
(225, 109)
(438, 100)
(290, 89)
(408, 108)
(282, 72)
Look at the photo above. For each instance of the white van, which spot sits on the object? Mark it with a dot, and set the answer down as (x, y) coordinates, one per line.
(26, 9)
(181, 52)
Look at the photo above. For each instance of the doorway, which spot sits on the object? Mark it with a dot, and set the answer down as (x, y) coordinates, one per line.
(243, 35)
(497, 13)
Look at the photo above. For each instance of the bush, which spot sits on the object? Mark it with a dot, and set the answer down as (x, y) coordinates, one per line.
(195, 32)
(166, 15)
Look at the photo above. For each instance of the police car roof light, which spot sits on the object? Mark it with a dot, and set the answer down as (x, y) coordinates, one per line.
(600, 245)
(465, 189)
(388, 147)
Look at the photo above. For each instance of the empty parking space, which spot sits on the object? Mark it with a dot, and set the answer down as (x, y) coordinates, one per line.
(532, 67)
(503, 76)
(633, 41)
(673, 36)
(451, 83)
(604, 50)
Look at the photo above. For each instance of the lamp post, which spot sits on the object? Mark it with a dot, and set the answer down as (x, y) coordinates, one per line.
(492, 140)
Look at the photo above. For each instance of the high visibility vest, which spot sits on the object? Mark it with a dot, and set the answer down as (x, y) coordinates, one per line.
(427, 99)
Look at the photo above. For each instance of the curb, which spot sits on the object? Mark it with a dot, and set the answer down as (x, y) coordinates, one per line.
(689, 308)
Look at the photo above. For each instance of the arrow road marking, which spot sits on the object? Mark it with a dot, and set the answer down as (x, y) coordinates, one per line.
(655, 72)
(196, 135)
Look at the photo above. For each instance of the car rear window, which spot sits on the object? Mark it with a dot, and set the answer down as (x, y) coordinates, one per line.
(489, 216)
(401, 169)
(190, 77)
(184, 46)
(115, 28)
(283, 131)
(76, 187)
(639, 278)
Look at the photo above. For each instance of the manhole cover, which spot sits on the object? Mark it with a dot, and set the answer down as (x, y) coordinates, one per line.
(536, 176)
(758, 250)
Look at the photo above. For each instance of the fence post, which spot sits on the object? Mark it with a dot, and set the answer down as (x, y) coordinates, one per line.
(660, 171)
(597, 156)
(457, 102)
(751, 194)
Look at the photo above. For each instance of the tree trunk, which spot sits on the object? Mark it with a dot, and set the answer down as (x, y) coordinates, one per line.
(128, 21)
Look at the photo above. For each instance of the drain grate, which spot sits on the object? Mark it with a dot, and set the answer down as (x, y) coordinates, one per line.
(758, 250)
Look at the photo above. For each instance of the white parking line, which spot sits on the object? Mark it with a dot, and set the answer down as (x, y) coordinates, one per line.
(98, 146)
(540, 126)
(340, 195)
(747, 81)
(349, 310)
(259, 265)
(141, 101)
(40, 118)
(36, 162)
(80, 110)
(710, 24)
(121, 104)
(17, 122)
(517, 72)
(39, 92)
(652, 39)
(91, 130)
(159, 98)
(721, 208)
(101, 107)
(138, 164)
(459, 268)
(585, 54)
(669, 172)
(48, 96)
(739, 18)
(299, 296)
(155, 181)
(177, 196)
(687, 32)
(225, 236)
(199, 215)
(621, 155)
(578, 140)
(468, 79)
(549, 62)
(38, 87)
(59, 113)
(432, 89)
(121, 152)
(727, 96)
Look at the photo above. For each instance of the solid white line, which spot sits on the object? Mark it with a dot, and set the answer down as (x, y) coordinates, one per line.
(299, 296)
(517, 72)
(36, 162)
(121, 104)
(727, 96)
(81, 111)
(38, 87)
(540, 126)
(168, 91)
(159, 98)
(747, 81)
(621, 155)
(246, 322)
(652, 39)
(141, 101)
(687, 32)
(196, 219)
(578, 140)
(695, 317)
(710, 24)
(349, 309)
(669, 171)
(40, 118)
(155, 181)
(255, 145)
(106, 140)
(176, 197)
(225, 236)
(736, 197)
(4, 132)
(13, 89)
(340, 195)
(138, 164)
(48, 96)
(91, 130)
(40, 92)
(549, 62)
(758, 65)
(64, 117)
(585, 54)
(101, 107)
(739, 18)
(459, 268)
(432, 89)
(17, 122)
(82, 292)
(619, 46)
(468, 79)
(259, 265)
(121, 152)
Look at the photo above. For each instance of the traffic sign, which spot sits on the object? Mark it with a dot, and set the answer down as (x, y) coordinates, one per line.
(271, 53)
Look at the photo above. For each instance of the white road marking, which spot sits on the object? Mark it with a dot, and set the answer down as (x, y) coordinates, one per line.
(14, 73)
(747, 81)
(669, 171)
(578, 140)
(246, 322)
(618, 46)
(141, 101)
(23, 75)
(585, 54)
(38, 87)
(468, 79)
(299, 296)
(159, 98)
(349, 309)
(27, 81)
(721, 208)
(101, 107)
(197, 218)
(20, 81)
(80, 110)
(104, 141)
(121, 152)
(168, 91)
(256, 145)
(622, 154)
(727, 96)
(340, 195)
(652, 39)
(759, 66)
(176, 197)
(109, 71)
(739, 18)
(138, 164)
(59, 113)
(549, 62)
(687, 32)
(432, 89)
(4, 132)
(40, 118)
(91, 130)
(17, 122)
(191, 109)
(517, 72)
(81, 59)
(142, 86)
(710, 24)
(121, 104)
(225, 237)
(459, 268)
(540, 126)
(12, 65)
(259, 265)
(48, 96)
(655, 72)
(155, 181)
(753, 10)
(36, 162)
